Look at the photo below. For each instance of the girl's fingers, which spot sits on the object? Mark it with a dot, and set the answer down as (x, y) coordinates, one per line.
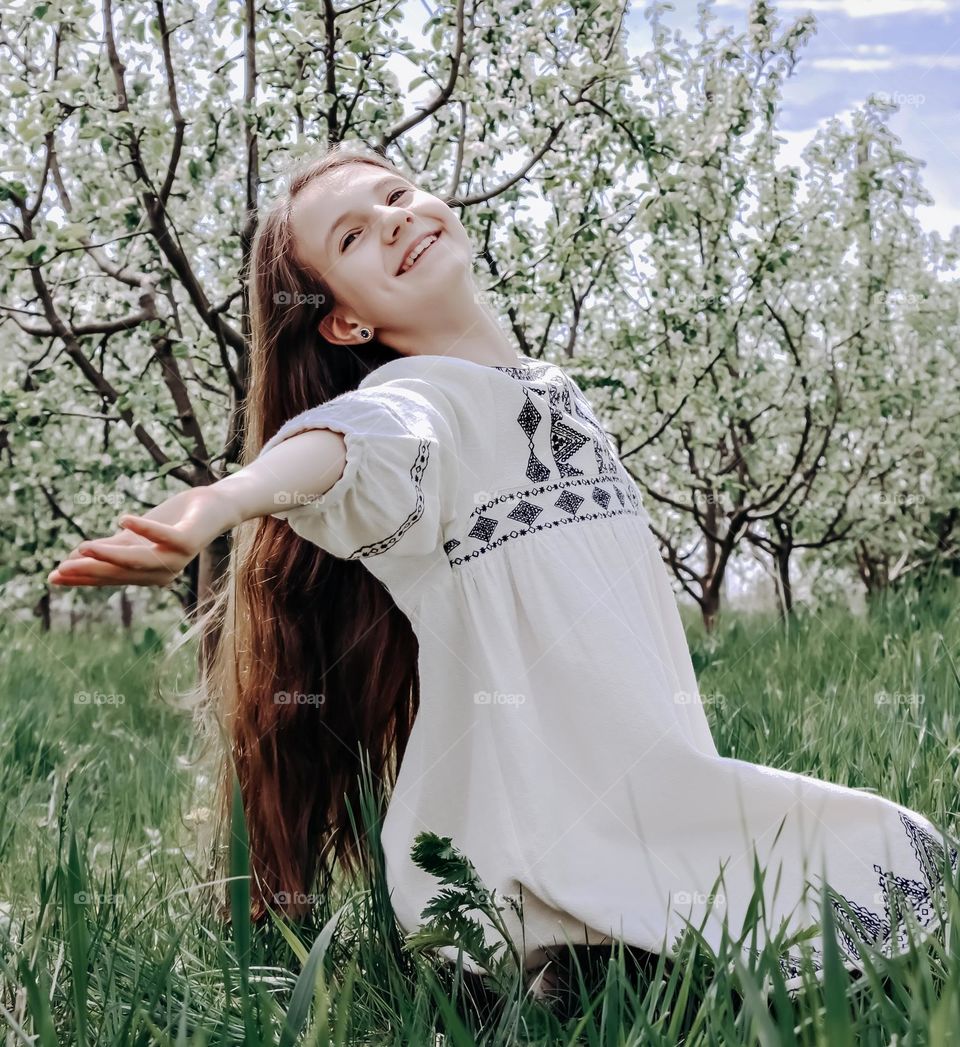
(87, 571)
(165, 534)
(73, 564)
(85, 567)
(119, 537)
(138, 557)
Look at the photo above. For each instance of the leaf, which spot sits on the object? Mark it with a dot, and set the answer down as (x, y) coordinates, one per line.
(837, 1023)
(38, 1000)
(310, 982)
(445, 919)
(240, 881)
(74, 896)
(239, 865)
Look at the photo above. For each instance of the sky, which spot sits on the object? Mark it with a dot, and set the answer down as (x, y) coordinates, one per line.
(908, 50)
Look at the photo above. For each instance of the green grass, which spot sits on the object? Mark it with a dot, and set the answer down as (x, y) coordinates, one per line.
(105, 937)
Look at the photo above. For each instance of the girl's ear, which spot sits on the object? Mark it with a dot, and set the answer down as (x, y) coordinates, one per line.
(335, 329)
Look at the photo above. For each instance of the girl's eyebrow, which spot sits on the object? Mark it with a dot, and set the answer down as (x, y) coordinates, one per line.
(375, 187)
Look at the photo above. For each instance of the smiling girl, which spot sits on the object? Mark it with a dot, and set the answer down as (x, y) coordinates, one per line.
(438, 554)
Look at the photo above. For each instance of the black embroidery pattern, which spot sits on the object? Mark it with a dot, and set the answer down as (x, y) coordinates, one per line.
(416, 475)
(521, 513)
(886, 932)
(550, 502)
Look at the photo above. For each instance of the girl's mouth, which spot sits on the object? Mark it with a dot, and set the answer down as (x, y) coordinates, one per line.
(423, 250)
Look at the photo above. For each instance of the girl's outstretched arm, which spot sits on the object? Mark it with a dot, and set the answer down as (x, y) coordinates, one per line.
(154, 548)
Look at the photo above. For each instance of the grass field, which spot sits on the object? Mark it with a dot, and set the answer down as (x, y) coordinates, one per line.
(105, 939)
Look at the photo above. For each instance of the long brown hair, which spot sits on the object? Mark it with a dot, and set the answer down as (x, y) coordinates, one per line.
(291, 618)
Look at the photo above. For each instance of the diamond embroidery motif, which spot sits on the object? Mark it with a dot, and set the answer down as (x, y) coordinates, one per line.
(565, 442)
(529, 419)
(601, 497)
(524, 512)
(569, 502)
(483, 528)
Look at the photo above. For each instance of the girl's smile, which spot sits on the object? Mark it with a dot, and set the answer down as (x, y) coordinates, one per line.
(417, 251)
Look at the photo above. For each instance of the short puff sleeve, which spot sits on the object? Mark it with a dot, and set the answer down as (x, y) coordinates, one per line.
(399, 482)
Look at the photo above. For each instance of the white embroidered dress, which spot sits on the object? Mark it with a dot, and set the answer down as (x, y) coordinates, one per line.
(561, 741)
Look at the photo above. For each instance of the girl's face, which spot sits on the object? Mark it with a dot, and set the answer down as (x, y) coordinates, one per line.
(354, 226)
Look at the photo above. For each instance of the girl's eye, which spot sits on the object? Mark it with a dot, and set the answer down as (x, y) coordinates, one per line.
(346, 240)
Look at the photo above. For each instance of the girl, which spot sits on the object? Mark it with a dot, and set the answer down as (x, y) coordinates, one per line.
(439, 557)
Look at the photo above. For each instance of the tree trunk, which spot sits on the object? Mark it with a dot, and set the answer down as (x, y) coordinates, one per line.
(41, 610)
(192, 574)
(710, 608)
(784, 585)
(126, 610)
(203, 575)
(213, 562)
(873, 570)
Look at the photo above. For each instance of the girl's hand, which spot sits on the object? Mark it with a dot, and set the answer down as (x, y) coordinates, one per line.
(148, 550)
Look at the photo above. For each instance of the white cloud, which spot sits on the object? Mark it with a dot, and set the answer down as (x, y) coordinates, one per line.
(843, 64)
(862, 8)
(850, 64)
(940, 217)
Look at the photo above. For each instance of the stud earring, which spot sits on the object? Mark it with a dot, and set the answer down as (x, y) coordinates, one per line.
(364, 333)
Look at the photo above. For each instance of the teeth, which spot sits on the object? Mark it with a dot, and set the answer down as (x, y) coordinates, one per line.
(419, 250)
